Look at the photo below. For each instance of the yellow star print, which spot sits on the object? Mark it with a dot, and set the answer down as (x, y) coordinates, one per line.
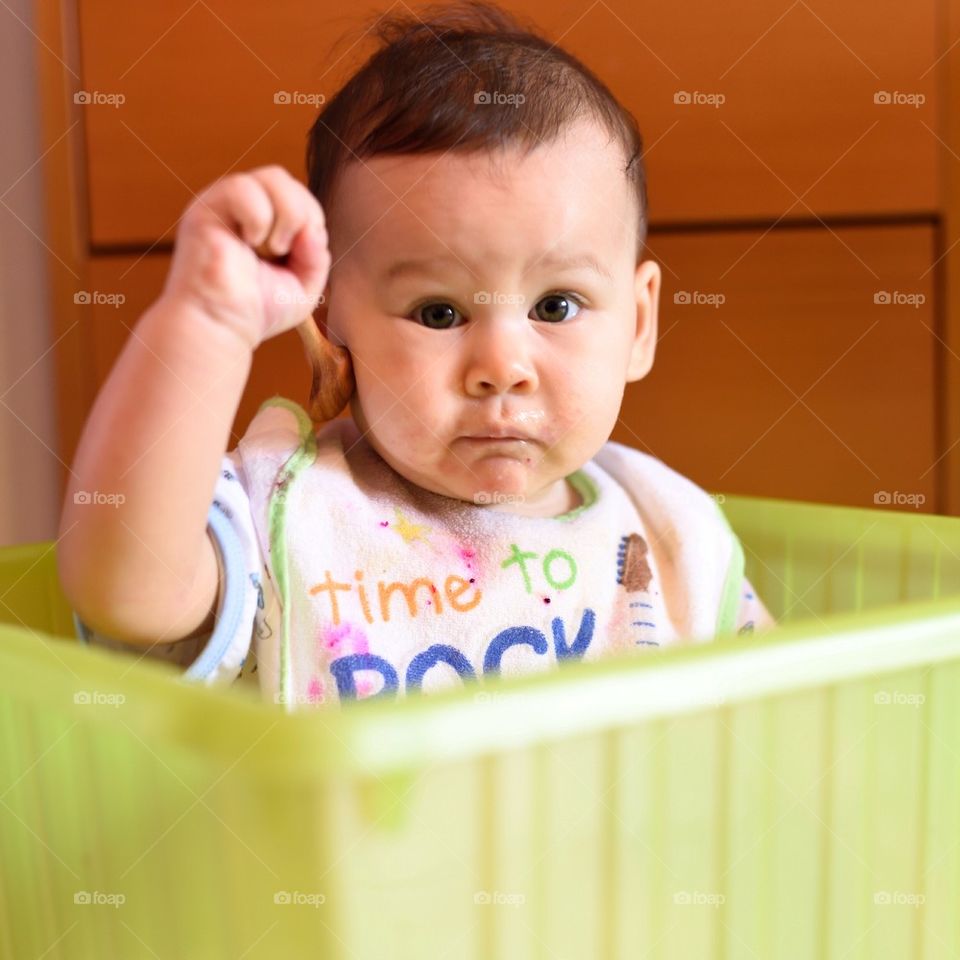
(409, 531)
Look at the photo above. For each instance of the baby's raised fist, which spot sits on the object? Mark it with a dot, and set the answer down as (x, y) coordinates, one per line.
(216, 267)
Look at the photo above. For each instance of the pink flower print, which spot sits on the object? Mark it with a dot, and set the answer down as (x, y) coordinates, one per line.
(343, 639)
(315, 691)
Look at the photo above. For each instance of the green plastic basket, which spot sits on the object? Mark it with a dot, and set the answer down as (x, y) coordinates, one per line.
(789, 794)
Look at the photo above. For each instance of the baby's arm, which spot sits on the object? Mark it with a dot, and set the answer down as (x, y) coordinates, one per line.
(145, 569)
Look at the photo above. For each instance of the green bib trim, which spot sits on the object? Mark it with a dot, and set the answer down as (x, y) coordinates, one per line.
(300, 459)
(730, 598)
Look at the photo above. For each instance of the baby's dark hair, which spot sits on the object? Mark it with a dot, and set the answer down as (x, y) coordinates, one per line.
(464, 76)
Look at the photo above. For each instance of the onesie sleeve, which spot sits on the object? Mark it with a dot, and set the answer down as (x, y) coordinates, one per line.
(217, 657)
(752, 614)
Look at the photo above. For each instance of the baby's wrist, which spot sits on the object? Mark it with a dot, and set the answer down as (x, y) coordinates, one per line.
(191, 316)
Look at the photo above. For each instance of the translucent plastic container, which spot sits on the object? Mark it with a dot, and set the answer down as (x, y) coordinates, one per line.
(789, 794)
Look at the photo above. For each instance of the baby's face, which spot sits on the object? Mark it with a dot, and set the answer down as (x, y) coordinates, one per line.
(499, 294)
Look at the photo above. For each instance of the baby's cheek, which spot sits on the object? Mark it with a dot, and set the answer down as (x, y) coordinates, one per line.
(376, 407)
(397, 432)
(414, 417)
(594, 395)
(569, 419)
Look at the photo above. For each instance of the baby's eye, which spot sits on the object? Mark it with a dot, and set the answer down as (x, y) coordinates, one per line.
(436, 315)
(554, 307)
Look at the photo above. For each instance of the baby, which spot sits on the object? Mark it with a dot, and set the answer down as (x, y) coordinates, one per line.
(484, 198)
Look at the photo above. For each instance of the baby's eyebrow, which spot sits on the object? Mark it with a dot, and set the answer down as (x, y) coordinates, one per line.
(427, 265)
(570, 261)
(418, 267)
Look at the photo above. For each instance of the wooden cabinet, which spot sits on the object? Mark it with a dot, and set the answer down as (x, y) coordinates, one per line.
(803, 366)
(749, 112)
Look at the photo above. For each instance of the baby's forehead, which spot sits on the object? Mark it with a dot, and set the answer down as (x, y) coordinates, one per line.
(572, 188)
(580, 148)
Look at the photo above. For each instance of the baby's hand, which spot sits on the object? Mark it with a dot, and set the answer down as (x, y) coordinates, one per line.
(216, 269)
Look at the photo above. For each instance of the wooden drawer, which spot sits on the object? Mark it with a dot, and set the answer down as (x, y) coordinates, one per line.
(797, 384)
(799, 133)
(798, 121)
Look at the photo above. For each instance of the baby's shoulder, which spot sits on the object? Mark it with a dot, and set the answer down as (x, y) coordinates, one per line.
(281, 427)
(656, 488)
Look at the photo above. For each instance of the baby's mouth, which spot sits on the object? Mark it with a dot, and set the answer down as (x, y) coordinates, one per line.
(495, 440)
(515, 427)
(497, 434)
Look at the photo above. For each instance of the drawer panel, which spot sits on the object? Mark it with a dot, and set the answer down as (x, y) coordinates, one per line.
(797, 364)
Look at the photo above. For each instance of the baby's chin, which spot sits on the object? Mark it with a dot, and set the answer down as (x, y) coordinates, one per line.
(460, 482)
(519, 481)
(509, 486)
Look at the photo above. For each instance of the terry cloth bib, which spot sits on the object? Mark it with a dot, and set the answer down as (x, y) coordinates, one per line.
(377, 587)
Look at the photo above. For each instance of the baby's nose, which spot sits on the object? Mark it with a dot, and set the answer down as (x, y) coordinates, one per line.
(499, 359)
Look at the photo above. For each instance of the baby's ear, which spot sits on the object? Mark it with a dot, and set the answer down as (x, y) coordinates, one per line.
(647, 289)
